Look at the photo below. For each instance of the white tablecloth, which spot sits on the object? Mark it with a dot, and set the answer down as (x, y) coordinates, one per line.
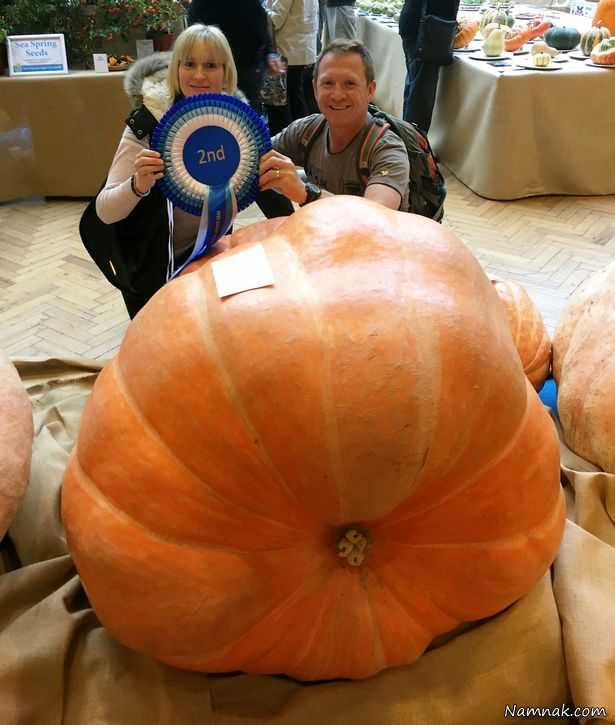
(513, 134)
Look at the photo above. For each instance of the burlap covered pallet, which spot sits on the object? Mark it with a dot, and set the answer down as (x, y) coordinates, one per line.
(58, 666)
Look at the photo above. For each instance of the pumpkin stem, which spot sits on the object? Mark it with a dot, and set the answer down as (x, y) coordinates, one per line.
(352, 545)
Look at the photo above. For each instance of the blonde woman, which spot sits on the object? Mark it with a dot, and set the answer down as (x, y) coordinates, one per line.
(135, 235)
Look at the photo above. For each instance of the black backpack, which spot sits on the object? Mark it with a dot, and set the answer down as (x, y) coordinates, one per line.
(426, 185)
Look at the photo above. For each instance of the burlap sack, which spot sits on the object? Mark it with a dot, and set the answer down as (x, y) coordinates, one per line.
(58, 666)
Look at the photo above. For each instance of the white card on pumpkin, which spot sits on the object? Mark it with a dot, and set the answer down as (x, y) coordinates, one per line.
(245, 270)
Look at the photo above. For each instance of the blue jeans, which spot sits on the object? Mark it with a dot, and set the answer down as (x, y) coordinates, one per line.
(419, 90)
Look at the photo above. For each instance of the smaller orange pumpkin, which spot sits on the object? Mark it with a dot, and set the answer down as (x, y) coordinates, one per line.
(605, 14)
(604, 52)
(15, 442)
(527, 328)
(466, 32)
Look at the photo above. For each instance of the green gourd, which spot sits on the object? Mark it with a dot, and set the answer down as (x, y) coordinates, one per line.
(592, 37)
(562, 38)
(500, 17)
(494, 44)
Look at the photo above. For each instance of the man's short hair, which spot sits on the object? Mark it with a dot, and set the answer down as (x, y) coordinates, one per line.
(343, 46)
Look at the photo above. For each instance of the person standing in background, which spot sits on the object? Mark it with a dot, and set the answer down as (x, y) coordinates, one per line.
(244, 23)
(340, 20)
(427, 29)
(295, 25)
(321, 24)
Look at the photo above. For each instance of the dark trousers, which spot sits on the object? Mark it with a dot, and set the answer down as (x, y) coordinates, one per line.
(301, 100)
(250, 81)
(419, 90)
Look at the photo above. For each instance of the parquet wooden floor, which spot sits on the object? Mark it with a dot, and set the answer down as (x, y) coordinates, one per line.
(54, 302)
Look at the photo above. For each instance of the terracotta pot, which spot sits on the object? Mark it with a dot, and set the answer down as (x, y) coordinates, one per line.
(162, 41)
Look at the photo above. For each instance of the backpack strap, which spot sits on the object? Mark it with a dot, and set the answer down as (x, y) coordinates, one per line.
(310, 132)
(371, 138)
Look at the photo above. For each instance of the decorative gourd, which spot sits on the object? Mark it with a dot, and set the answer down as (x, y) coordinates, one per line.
(604, 52)
(494, 44)
(592, 37)
(497, 16)
(541, 47)
(541, 60)
(466, 32)
(319, 476)
(488, 29)
(519, 35)
(538, 27)
(562, 38)
(527, 328)
(584, 369)
(16, 432)
(605, 14)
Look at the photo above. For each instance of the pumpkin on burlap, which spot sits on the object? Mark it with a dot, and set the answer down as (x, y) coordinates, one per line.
(316, 477)
(16, 431)
(527, 328)
(584, 369)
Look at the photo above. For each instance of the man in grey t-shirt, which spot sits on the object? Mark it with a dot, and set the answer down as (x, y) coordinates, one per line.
(344, 85)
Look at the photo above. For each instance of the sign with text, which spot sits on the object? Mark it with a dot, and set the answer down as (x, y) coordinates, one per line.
(36, 54)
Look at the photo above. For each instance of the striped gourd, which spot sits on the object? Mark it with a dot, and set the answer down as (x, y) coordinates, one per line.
(592, 37)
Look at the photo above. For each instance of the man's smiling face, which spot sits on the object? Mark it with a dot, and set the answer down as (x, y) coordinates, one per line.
(342, 90)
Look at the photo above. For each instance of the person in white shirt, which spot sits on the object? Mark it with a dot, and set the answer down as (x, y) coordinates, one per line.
(295, 25)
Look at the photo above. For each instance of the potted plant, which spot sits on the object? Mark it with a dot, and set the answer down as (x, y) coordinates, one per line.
(161, 20)
(26, 17)
(3, 54)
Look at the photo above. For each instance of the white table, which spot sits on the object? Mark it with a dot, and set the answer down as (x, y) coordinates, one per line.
(512, 134)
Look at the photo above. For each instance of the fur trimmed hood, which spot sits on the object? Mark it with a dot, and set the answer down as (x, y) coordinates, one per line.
(145, 83)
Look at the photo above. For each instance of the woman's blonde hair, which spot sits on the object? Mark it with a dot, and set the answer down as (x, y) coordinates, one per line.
(215, 39)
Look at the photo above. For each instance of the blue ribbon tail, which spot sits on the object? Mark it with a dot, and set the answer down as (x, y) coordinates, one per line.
(217, 216)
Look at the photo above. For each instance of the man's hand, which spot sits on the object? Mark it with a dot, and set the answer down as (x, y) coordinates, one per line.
(279, 172)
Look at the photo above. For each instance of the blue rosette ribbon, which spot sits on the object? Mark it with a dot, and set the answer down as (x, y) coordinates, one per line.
(211, 145)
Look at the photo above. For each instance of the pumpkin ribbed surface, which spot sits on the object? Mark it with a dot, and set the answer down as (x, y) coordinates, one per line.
(16, 432)
(584, 368)
(604, 52)
(605, 14)
(318, 477)
(593, 36)
(527, 328)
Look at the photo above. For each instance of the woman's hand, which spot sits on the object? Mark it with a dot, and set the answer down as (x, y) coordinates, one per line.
(278, 172)
(149, 167)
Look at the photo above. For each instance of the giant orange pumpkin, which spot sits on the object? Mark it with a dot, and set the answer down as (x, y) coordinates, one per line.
(317, 477)
(584, 368)
(15, 442)
(527, 328)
